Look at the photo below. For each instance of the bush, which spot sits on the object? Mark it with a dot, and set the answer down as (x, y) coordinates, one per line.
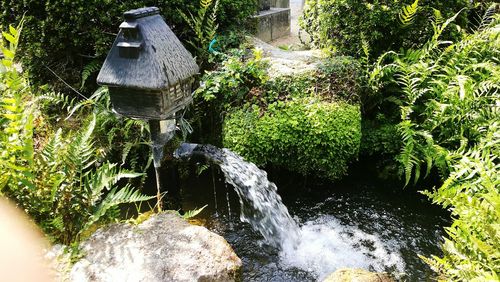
(448, 100)
(304, 135)
(336, 79)
(68, 35)
(345, 24)
(380, 138)
(59, 179)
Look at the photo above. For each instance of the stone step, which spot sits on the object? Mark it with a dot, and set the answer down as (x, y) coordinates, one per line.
(272, 24)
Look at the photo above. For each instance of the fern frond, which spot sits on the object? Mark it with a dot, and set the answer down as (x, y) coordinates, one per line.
(104, 178)
(437, 18)
(58, 98)
(114, 198)
(408, 13)
(489, 16)
(80, 153)
(88, 70)
(192, 213)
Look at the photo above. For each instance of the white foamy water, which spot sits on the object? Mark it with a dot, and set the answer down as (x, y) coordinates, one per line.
(325, 245)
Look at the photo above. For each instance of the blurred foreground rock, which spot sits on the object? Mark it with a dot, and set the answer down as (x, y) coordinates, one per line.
(163, 248)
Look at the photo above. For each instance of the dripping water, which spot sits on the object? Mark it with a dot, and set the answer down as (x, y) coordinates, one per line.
(228, 202)
(161, 132)
(215, 192)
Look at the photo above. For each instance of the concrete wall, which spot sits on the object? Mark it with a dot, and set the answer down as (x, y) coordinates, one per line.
(272, 24)
(280, 3)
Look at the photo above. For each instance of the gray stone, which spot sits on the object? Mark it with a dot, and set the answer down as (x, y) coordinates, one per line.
(272, 24)
(287, 63)
(163, 248)
(59, 258)
(280, 3)
(357, 275)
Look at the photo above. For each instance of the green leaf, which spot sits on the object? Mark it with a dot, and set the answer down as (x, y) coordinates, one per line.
(11, 39)
(193, 213)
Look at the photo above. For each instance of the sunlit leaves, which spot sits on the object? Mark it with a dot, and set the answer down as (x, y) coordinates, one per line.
(450, 119)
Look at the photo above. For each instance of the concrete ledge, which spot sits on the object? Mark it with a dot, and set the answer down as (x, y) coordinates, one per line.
(280, 3)
(272, 24)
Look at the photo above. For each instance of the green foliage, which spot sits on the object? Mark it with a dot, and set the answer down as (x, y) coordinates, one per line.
(343, 25)
(380, 138)
(305, 135)
(61, 182)
(225, 87)
(204, 25)
(88, 70)
(408, 13)
(193, 213)
(472, 249)
(230, 83)
(337, 79)
(66, 36)
(446, 96)
(448, 100)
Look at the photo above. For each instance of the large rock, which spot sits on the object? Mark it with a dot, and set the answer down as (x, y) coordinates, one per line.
(357, 275)
(163, 248)
(287, 63)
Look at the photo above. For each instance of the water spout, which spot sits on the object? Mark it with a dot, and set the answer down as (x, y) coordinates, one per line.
(161, 132)
(261, 206)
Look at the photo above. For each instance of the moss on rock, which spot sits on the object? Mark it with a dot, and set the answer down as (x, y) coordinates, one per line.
(305, 135)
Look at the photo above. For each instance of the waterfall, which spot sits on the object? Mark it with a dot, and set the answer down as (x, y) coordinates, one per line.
(320, 246)
(261, 206)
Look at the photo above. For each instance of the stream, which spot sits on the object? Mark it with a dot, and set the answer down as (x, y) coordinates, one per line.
(314, 228)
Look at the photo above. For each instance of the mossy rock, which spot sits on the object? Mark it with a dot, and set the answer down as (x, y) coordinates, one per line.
(305, 135)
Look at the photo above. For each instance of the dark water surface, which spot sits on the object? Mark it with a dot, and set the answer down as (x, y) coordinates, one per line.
(358, 222)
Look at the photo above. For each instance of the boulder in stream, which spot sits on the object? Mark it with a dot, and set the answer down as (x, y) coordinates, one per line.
(357, 275)
(163, 248)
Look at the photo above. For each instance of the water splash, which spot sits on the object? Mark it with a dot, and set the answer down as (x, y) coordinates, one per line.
(320, 246)
(325, 245)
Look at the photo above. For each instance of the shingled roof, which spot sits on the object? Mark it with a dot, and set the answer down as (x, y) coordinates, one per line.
(162, 60)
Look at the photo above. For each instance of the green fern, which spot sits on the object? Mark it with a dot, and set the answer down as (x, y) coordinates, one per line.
(408, 13)
(204, 26)
(89, 70)
(192, 213)
(449, 120)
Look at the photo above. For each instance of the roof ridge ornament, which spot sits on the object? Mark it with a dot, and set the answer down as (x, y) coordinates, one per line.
(140, 13)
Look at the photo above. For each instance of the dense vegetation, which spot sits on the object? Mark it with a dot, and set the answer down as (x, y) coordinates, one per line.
(346, 25)
(304, 135)
(428, 107)
(449, 120)
(58, 176)
(307, 123)
(68, 36)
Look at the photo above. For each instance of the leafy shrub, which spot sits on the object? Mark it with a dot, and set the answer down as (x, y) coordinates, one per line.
(61, 182)
(448, 101)
(304, 135)
(472, 249)
(68, 35)
(337, 79)
(229, 84)
(226, 87)
(380, 138)
(347, 25)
